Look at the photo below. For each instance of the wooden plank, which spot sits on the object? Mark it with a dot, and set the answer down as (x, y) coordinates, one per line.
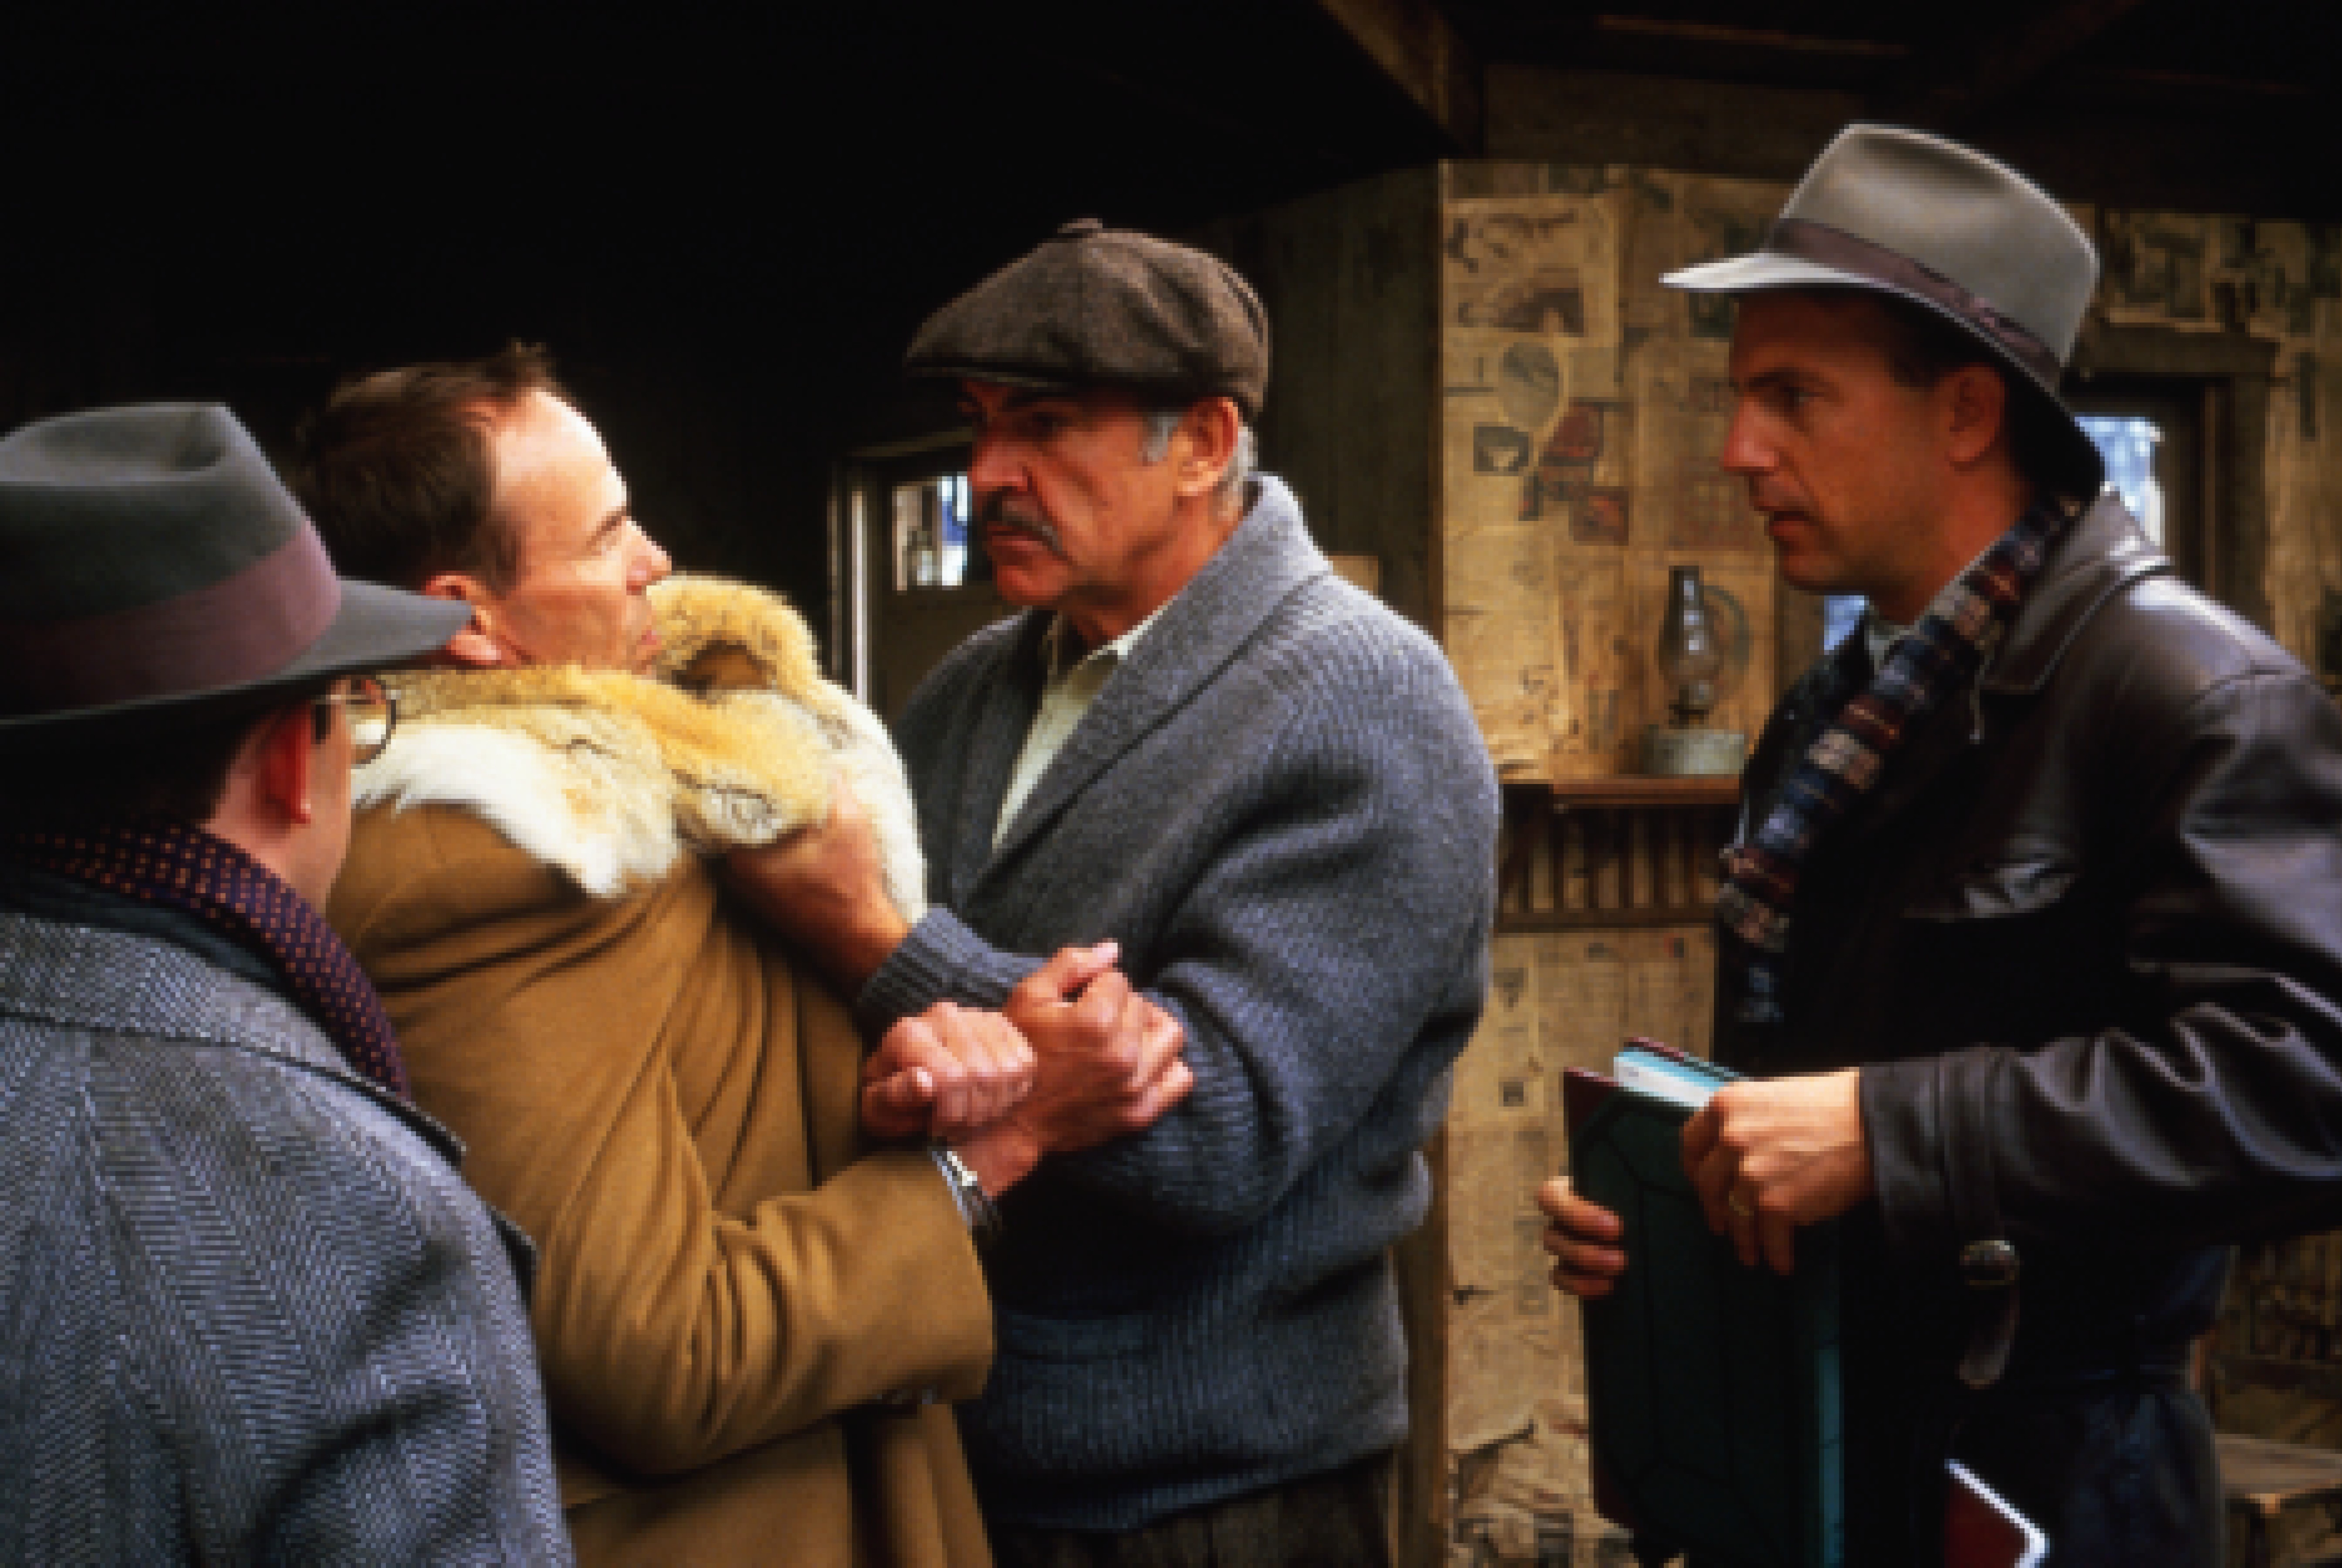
(1596, 118)
(1384, 370)
(1951, 87)
(1643, 790)
(1412, 43)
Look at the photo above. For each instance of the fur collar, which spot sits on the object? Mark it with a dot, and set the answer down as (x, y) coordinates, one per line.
(612, 778)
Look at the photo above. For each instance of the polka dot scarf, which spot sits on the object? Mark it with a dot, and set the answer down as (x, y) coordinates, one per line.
(185, 868)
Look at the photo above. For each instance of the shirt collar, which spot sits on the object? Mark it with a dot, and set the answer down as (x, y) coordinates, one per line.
(1059, 644)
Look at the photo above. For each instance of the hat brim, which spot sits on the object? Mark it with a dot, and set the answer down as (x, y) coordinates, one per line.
(2082, 467)
(376, 628)
(1164, 393)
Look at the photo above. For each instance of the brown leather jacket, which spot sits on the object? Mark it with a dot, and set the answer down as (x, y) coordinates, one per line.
(2085, 939)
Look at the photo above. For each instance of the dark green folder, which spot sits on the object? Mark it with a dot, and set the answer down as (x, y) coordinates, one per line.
(1712, 1389)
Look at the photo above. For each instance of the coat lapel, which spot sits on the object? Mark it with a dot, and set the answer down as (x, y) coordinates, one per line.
(1199, 631)
(2102, 551)
(994, 738)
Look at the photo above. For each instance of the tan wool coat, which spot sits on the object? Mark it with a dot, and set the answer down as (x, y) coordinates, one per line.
(738, 1307)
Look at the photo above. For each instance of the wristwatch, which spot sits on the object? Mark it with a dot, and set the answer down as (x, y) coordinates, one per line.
(975, 1205)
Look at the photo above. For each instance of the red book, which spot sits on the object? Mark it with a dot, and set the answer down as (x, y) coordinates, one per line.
(1982, 1531)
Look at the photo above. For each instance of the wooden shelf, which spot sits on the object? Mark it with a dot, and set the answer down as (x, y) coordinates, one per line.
(1531, 922)
(1636, 850)
(1638, 790)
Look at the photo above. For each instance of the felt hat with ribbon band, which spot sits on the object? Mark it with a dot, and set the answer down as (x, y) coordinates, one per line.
(1904, 213)
(157, 573)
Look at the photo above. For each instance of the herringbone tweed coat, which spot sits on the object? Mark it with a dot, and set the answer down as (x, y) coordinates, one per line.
(252, 1312)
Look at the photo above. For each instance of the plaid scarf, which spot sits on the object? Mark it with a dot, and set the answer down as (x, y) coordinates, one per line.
(1936, 657)
(187, 869)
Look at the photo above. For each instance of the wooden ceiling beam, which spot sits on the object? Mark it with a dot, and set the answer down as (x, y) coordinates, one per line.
(1950, 88)
(1413, 44)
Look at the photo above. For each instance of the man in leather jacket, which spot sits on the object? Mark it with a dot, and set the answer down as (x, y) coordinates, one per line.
(2033, 927)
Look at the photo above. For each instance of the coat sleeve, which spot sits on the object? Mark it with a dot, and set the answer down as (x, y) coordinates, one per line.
(566, 1039)
(2214, 1114)
(1328, 950)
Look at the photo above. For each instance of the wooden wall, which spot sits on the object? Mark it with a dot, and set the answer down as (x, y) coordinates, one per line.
(1349, 278)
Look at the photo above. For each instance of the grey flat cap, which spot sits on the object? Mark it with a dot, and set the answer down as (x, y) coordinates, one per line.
(1904, 213)
(1095, 306)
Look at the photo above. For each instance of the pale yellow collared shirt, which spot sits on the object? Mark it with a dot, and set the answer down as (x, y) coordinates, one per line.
(1065, 698)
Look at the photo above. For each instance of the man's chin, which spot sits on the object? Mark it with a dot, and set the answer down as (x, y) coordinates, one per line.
(1024, 578)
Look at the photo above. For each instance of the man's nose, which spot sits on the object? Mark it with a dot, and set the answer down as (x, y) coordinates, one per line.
(1746, 450)
(653, 564)
(991, 466)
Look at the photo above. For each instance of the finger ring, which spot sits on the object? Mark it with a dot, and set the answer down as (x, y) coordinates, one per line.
(1739, 1205)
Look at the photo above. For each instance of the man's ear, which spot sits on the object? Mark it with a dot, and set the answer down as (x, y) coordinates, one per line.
(1207, 444)
(285, 755)
(1976, 413)
(474, 644)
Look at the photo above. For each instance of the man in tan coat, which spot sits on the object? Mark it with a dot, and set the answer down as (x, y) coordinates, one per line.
(748, 1316)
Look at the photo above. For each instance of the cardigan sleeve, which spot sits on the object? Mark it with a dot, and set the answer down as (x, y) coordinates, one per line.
(555, 1033)
(1328, 952)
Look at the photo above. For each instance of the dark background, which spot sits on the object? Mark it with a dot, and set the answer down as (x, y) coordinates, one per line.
(726, 224)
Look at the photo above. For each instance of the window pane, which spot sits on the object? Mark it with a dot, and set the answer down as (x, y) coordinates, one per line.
(931, 533)
(1841, 614)
(2128, 442)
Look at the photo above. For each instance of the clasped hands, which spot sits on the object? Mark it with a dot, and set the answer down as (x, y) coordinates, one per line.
(1074, 1056)
(1765, 1156)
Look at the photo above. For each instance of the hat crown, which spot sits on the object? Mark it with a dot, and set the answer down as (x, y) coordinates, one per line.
(1961, 215)
(1093, 305)
(157, 569)
(116, 508)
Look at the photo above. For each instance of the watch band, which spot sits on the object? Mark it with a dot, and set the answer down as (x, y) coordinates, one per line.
(975, 1205)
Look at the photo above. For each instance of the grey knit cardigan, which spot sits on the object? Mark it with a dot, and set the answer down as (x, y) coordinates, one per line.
(254, 1313)
(1281, 808)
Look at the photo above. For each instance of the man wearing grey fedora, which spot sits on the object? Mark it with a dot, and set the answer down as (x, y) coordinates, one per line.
(2032, 928)
(255, 1314)
(1268, 789)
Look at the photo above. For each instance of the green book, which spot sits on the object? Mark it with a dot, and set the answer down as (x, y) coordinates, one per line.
(1712, 1388)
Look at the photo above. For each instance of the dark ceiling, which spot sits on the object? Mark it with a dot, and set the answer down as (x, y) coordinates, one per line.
(2235, 104)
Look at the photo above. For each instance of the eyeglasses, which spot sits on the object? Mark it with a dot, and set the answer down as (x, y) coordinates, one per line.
(374, 713)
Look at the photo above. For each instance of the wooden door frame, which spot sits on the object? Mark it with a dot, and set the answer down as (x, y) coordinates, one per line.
(855, 478)
(2232, 373)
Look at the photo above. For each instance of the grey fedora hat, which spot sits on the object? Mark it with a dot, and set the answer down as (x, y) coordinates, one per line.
(158, 573)
(1904, 213)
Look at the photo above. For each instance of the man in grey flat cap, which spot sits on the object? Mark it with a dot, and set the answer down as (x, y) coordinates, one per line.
(1200, 744)
(255, 1315)
(2033, 924)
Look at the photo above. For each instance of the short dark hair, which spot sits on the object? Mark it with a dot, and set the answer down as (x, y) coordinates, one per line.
(1922, 347)
(175, 775)
(397, 473)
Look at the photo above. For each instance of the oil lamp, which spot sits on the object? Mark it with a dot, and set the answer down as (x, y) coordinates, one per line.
(1691, 663)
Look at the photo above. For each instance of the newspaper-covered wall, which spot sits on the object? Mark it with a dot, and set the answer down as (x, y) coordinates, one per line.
(1583, 407)
(1515, 1416)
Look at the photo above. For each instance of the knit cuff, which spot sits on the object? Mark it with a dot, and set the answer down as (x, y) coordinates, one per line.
(940, 960)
